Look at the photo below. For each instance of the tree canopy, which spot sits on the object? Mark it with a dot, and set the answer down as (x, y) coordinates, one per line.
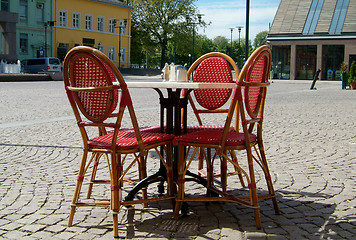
(159, 20)
(260, 39)
(161, 33)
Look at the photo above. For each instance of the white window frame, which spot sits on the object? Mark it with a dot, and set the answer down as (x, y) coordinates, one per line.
(23, 10)
(63, 18)
(123, 27)
(100, 26)
(112, 25)
(40, 12)
(111, 53)
(123, 55)
(88, 22)
(100, 48)
(76, 20)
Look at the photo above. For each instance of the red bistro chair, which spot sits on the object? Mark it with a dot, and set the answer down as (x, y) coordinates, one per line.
(214, 67)
(249, 107)
(88, 77)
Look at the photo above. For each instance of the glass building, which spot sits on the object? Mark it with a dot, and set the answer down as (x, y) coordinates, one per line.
(307, 35)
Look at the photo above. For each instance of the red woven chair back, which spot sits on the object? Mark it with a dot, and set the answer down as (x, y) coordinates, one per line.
(258, 72)
(213, 69)
(86, 70)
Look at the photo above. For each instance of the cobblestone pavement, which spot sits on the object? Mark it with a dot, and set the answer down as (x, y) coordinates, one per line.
(310, 144)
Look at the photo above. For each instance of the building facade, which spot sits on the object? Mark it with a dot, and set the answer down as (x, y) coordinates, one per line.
(103, 24)
(26, 20)
(307, 35)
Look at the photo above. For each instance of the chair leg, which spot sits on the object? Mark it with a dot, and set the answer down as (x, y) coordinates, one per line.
(200, 162)
(180, 180)
(253, 188)
(169, 162)
(268, 178)
(116, 172)
(78, 187)
(93, 174)
(239, 174)
(209, 171)
(115, 225)
(142, 175)
(223, 172)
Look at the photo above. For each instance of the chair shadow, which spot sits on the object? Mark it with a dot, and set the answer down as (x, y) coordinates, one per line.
(299, 217)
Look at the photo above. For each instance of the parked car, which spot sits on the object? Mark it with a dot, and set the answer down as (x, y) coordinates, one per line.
(34, 65)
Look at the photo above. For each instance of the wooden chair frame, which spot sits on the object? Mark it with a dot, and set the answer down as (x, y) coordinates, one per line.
(201, 110)
(139, 143)
(246, 140)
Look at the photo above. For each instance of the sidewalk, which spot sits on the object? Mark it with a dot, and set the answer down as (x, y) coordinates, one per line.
(310, 144)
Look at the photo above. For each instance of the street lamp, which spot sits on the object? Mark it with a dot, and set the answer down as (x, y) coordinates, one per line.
(120, 27)
(231, 29)
(46, 24)
(194, 24)
(247, 27)
(239, 29)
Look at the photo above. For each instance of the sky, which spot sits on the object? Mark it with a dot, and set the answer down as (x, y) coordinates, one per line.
(226, 14)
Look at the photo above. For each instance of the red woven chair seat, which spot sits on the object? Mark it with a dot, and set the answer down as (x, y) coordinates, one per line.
(126, 139)
(213, 137)
(190, 129)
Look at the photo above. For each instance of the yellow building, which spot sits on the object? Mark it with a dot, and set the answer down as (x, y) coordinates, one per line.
(95, 23)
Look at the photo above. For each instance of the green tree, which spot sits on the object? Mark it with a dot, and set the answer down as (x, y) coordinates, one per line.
(221, 43)
(158, 19)
(260, 39)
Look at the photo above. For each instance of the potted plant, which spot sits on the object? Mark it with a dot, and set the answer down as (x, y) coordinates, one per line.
(352, 78)
(344, 69)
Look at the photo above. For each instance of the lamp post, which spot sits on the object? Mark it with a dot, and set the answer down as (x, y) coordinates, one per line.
(45, 45)
(46, 24)
(231, 51)
(194, 24)
(120, 27)
(239, 29)
(247, 27)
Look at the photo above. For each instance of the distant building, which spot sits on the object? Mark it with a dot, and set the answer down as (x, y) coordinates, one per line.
(8, 22)
(94, 23)
(307, 35)
(26, 20)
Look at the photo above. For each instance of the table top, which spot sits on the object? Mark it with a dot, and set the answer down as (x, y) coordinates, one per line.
(186, 85)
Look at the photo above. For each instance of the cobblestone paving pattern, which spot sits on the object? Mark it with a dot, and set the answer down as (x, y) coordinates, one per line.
(310, 142)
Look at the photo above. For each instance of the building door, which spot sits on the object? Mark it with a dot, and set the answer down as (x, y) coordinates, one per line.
(281, 62)
(333, 56)
(305, 61)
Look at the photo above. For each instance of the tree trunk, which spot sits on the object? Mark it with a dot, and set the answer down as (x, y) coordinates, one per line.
(163, 54)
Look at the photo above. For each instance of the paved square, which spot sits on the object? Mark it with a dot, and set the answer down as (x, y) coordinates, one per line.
(310, 142)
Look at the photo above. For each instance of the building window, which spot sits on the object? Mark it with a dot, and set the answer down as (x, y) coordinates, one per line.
(88, 22)
(5, 5)
(333, 56)
(111, 54)
(100, 26)
(112, 23)
(100, 48)
(40, 12)
(313, 16)
(123, 24)
(306, 61)
(63, 18)
(339, 16)
(122, 55)
(281, 62)
(23, 43)
(23, 10)
(76, 20)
